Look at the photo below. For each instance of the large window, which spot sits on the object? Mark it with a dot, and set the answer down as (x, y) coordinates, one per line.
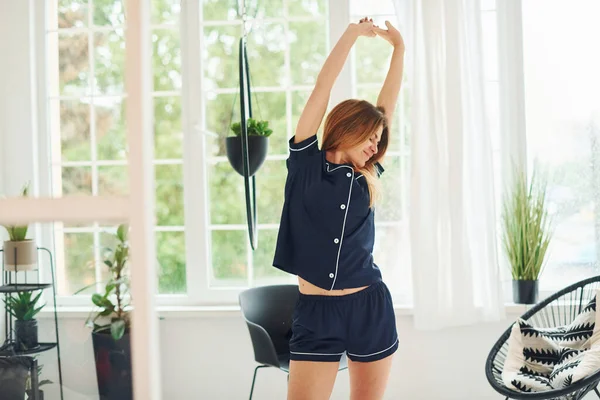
(87, 100)
(563, 128)
(287, 44)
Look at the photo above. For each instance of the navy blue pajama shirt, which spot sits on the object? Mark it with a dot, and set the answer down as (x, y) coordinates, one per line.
(326, 236)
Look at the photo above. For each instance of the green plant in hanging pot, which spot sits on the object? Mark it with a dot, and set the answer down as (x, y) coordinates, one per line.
(23, 308)
(526, 233)
(20, 253)
(110, 321)
(258, 145)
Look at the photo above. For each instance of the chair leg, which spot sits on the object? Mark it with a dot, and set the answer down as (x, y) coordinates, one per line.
(597, 394)
(254, 378)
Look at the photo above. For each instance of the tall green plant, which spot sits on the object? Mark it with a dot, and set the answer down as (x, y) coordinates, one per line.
(110, 311)
(22, 306)
(18, 233)
(526, 225)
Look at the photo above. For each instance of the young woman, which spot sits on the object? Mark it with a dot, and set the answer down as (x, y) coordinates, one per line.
(327, 233)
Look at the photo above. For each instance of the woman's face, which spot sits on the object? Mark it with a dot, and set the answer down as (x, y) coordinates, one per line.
(359, 155)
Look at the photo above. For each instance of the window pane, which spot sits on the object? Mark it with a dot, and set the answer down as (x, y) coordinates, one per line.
(166, 11)
(227, 196)
(219, 10)
(370, 94)
(74, 130)
(391, 202)
(563, 129)
(73, 63)
(109, 62)
(372, 59)
(229, 258)
(109, 12)
(270, 106)
(270, 182)
(166, 59)
(264, 272)
(72, 13)
(79, 262)
(219, 109)
(110, 128)
(170, 252)
(266, 51)
(169, 195)
(308, 8)
(167, 126)
(220, 56)
(266, 8)
(113, 181)
(391, 253)
(77, 181)
(308, 42)
(299, 99)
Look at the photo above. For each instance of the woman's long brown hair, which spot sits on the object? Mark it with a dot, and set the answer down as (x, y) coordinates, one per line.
(351, 123)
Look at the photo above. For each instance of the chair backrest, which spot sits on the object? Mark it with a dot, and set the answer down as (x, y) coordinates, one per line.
(272, 308)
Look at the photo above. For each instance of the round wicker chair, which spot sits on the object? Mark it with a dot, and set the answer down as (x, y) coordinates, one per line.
(557, 310)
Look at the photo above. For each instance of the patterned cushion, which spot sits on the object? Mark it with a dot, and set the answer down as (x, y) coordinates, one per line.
(541, 359)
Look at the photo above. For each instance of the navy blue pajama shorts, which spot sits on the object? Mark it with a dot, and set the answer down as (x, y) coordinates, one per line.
(361, 324)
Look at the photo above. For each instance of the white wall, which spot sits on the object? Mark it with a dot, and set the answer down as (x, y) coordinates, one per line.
(209, 356)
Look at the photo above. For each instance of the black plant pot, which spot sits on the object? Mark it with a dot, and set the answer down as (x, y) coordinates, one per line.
(525, 291)
(13, 377)
(113, 366)
(257, 152)
(26, 334)
(31, 397)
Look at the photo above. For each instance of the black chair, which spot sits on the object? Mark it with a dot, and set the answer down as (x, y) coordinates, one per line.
(557, 310)
(268, 313)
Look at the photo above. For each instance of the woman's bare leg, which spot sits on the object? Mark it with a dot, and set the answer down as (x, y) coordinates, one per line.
(311, 380)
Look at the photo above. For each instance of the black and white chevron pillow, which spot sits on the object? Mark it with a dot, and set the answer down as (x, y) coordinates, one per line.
(541, 359)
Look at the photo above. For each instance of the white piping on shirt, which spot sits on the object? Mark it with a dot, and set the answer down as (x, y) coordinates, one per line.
(305, 147)
(337, 261)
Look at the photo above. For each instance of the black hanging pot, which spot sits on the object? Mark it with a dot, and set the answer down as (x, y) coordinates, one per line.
(257, 153)
(525, 291)
(113, 366)
(26, 334)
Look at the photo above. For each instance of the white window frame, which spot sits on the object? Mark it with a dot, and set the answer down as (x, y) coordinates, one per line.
(196, 205)
(197, 222)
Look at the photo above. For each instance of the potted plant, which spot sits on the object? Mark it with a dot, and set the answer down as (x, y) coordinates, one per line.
(110, 321)
(23, 308)
(29, 389)
(13, 376)
(20, 253)
(258, 143)
(526, 234)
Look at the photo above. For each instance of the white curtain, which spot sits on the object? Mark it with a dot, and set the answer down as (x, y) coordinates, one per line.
(456, 279)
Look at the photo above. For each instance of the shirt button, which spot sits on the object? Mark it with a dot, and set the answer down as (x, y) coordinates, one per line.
(331, 276)
(348, 174)
(343, 206)
(336, 240)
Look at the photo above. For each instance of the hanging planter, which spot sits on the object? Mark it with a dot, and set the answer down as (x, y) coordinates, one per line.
(247, 150)
(258, 145)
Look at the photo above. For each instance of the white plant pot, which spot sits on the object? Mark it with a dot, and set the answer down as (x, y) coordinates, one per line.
(20, 256)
